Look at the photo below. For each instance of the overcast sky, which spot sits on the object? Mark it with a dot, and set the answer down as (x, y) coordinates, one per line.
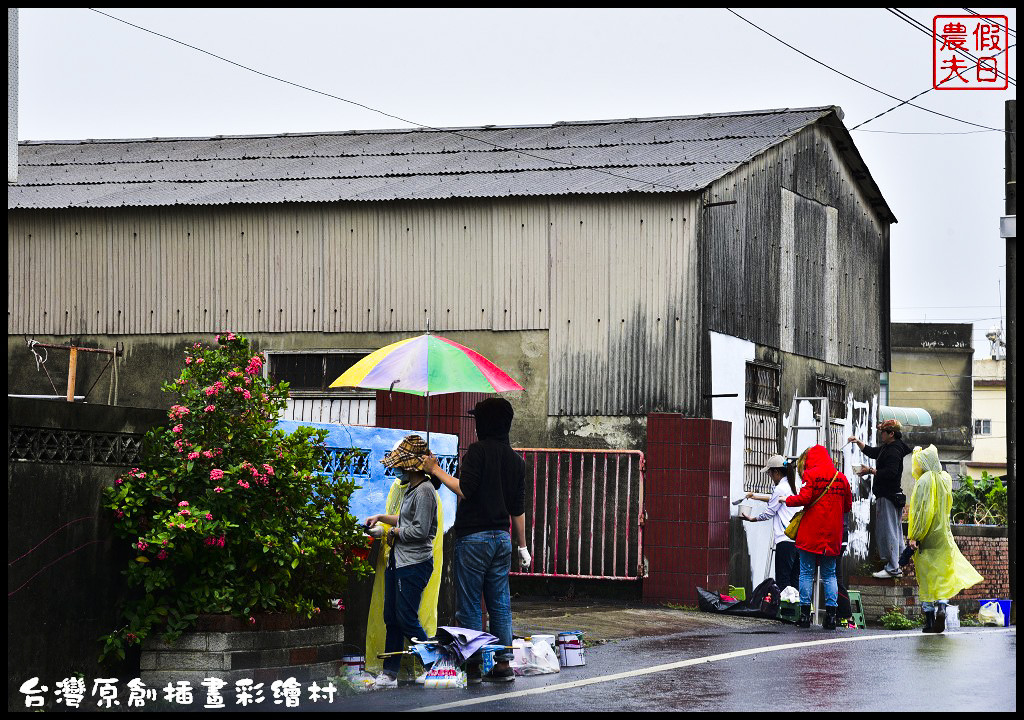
(83, 75)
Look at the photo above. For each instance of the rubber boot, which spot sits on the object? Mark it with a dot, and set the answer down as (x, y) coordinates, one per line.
(805, 617)
(929, 622)
(940, 618)
(830, 618)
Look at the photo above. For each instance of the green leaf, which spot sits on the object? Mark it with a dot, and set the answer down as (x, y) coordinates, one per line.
(295, 563)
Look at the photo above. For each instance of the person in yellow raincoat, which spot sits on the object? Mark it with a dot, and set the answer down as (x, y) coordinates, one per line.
(942, 571)
(376, 629)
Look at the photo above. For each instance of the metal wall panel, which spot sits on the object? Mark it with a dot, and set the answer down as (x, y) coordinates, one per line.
(469, 265)
(626, 321)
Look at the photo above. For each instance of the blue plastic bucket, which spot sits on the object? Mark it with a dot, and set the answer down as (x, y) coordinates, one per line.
(487, 655)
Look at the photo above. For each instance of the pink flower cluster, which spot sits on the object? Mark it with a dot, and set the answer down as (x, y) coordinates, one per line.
(245, 393)
(178, 412)
(183, 503)
(215, 388)
(184, 513)
(229, 337)
(254, 365)
(216, 474)
(193, 456)
(256, 476)
(234, 374)
(218, 489)
(244, 484)
(162, 555)
(209, 454)
(209, 408)
(178, 428)
(135, 472)
(214, 542)
(141, 544)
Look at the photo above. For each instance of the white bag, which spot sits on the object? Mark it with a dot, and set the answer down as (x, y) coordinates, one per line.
(533, 658)
(991, 614)
(952, 617)
(790, 594)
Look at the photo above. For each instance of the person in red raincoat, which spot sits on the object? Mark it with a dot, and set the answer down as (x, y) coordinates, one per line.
(825, 497)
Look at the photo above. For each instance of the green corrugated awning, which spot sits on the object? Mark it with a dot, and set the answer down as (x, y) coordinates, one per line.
(918, 417)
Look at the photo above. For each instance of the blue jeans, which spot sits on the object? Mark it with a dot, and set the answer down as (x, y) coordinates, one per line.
(482, 562)
(828, 575)
(930, 606)
(403, 588)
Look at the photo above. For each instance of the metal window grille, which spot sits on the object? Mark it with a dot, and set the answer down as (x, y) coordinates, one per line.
(761, 429)
(835, 391)
(584, 513)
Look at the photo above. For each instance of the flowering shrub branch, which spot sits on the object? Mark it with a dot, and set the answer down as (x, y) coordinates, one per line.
(228, 514)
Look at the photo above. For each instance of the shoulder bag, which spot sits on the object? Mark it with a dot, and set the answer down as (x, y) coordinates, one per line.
(794, 524)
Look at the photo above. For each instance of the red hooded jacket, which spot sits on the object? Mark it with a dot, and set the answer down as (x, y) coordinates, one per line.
(821, 530)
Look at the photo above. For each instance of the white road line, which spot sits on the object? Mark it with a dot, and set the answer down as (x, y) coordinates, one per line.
(682, 664)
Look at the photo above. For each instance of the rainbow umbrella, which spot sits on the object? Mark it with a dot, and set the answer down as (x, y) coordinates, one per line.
(427, 365)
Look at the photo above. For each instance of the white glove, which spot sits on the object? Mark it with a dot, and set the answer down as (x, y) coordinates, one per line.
(376, 531)
(524, 557)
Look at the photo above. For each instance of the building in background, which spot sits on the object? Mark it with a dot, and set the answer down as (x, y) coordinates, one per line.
(931, 369)
(989, 418)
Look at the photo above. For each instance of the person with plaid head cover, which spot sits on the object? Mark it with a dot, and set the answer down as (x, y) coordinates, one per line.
(411, 561)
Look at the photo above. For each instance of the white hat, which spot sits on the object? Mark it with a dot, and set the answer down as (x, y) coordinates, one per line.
(774, 462)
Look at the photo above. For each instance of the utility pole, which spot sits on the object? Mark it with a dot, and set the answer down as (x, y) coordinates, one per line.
(1008, 229)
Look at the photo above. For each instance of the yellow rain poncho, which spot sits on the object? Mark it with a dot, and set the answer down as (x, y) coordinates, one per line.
(942, 571)
(375, 630)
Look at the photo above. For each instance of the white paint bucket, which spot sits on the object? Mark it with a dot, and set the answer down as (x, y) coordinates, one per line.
(353, 664)
(570, 649)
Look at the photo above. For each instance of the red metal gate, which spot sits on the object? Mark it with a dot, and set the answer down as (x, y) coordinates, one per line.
(584, 513)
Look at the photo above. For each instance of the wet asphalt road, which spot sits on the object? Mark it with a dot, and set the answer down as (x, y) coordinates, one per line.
(970, 670)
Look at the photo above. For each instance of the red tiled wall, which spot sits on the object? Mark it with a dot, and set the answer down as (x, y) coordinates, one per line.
(449, 413)
(686, 535)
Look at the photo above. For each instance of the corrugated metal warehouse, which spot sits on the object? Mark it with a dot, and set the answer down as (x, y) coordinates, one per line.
(591, 259)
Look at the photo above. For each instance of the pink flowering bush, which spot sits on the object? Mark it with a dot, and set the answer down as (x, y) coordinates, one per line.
(228, 514)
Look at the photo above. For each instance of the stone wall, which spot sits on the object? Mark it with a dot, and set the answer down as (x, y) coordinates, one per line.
(276, 647)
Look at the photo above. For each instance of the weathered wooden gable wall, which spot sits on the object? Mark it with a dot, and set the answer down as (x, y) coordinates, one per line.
(800, 261)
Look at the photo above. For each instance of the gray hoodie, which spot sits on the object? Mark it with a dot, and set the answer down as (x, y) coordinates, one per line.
(417, 526)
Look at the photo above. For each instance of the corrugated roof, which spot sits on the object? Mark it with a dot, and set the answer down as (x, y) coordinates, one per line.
(676, 154)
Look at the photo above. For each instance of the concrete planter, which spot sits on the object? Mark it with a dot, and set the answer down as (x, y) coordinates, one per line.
(276, 647)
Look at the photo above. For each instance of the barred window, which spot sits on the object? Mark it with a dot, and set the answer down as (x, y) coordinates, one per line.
(309, 375)
(835, 391)
(761, 431)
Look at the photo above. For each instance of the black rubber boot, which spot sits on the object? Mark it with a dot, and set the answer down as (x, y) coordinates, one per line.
(929, 622)
(830, 618)
(805, 617)
(940, 618)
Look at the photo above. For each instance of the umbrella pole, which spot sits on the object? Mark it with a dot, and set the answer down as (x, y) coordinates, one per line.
(428, 420)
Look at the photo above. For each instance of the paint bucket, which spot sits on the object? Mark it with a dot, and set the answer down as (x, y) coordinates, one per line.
(570, 648)
(353, 664)
(487, 657)
(952, 617)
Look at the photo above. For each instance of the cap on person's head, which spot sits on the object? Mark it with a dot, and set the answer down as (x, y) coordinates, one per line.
(775, 462)
(408, 454)
(890, 426)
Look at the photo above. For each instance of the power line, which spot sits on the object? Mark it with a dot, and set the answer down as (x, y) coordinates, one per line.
(988, 17)
(381, 112)
(848, 77)
(923, 92)
(928, 31)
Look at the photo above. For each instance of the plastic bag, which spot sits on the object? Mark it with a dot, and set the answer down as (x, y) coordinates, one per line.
(991, 614)
(952, 617)
(534, 658)
(790, 594)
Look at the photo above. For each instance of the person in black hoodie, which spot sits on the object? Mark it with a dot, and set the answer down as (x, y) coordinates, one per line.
(889, 497)
(492, 491)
